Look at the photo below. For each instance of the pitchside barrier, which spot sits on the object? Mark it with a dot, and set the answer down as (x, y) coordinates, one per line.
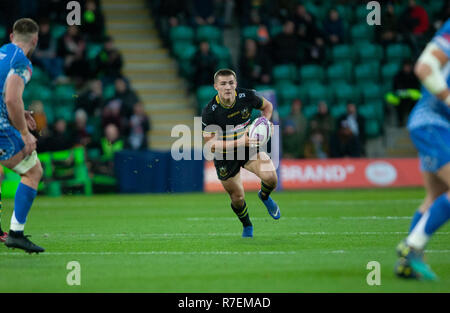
(331, 174)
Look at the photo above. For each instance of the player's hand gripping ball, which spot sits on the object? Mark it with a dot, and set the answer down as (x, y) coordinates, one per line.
(260, 129)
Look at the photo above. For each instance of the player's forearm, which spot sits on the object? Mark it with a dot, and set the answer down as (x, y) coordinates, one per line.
(428, 70)
(226, 145)
(16, 114)
(267, 110)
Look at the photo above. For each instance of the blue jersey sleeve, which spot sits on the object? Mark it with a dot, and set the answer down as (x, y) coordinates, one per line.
(22, 67)
(442, 38)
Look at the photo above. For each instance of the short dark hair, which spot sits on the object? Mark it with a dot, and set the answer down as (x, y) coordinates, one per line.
(224, 72)
(25, 27)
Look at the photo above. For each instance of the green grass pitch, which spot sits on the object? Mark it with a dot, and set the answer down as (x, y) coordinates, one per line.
(192, 243)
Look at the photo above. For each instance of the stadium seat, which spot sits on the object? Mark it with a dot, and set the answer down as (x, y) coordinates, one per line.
(181, 33)
(345, 12)
(2, 34)
(93, 50)
(209, 33)
(204, 95)
(370, 52)
(362, 33)
(309, 110)
(361, 13)
(397, 52)
(372, 128)
(275, 30)
(338, 109)
(40, 76)
(284, 73)
(57, 30)
(343, 53)
(286, 93)
(389, 70)
(370, 92)
(250, 32)
(341, 71)
(312, 73)
(344, 93)
(319, 92)
(64, 101)
(223, 55)
(367, 72)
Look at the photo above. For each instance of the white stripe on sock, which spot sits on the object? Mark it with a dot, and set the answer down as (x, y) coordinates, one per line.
(418, 238)
(15, 225)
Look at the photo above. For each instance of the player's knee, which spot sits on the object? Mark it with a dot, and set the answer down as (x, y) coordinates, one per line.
(270, 179)
(35, 173)
(237, 198)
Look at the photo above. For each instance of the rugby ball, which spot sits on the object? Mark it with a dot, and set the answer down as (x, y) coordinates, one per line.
(260, 129)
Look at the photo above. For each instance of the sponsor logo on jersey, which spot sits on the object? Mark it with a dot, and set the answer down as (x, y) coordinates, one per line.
(245, 113)
(241, 95)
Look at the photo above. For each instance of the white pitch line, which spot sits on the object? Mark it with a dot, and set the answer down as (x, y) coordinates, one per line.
(195, 252)
(196, 219)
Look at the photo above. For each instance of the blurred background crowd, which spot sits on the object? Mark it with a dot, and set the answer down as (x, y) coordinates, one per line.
(337, 80)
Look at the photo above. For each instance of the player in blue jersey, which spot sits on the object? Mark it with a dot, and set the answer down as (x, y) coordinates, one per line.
(429, 127)
(17, 144)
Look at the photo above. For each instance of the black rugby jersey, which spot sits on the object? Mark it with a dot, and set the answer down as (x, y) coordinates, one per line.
(237, 116)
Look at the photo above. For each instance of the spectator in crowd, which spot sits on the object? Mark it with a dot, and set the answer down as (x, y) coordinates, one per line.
(294, 130)
(334, 27)
(111, 143)
(91, 101)
(262, 31)
(82, 131)
(388, 31)
(59, 138)
(72, 48)
(442, 15)
(204, 64)
(414, 23)
(168, 14)
(350, 137)
(92, 24)
(317, 146)
(254, 66)
(406, 87)
(322, 122)
(125, 96)
(109, 61)
(203, 13)
(285, 45)
(45, 53)
(139, 127)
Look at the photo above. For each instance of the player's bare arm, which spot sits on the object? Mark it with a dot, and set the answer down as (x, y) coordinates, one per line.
(428, 70)
(15, 107)
(227, 145)
(266, 108)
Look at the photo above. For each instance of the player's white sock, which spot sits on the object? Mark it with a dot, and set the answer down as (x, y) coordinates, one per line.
(15, 225)
(418, 238)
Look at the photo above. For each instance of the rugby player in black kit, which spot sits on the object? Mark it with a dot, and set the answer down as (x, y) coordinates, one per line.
(224, 122)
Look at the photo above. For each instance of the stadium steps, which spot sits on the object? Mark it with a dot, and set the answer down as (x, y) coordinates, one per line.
(398, 143)
(149, 67)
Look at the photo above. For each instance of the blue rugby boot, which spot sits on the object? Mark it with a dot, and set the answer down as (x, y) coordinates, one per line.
(247, 232)
(271, 206)
(411, 264)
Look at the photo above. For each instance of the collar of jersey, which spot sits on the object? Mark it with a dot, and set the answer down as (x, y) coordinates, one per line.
(223, 106)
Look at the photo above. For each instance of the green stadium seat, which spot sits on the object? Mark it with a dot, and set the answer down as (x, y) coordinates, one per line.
(108, 91)
(370, 92)
(368, 111)
(2, 33)
(343, 53)
(344, 93)
(345, 12)
(40, 76)
(309, 110)
(183, 50)
(397, 52)
(93, 50)
(263, 87)
(338, 109)
(181, 33)
(312, 73)
(209, 33)
(275, 30)
(367, 72)
(204, 95)
(284, 73)
(57, 30)
(250, 32)
(223, 55)
(64, 102)
(341, 71)
(319, 92)
(372, 128)
(286, 93)
(370, 52)
(361, 13)
(362, 32)
(389, 70)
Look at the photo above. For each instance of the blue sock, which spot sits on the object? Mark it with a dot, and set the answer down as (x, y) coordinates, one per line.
(439, 214)
(415, 219)
(23, 201)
